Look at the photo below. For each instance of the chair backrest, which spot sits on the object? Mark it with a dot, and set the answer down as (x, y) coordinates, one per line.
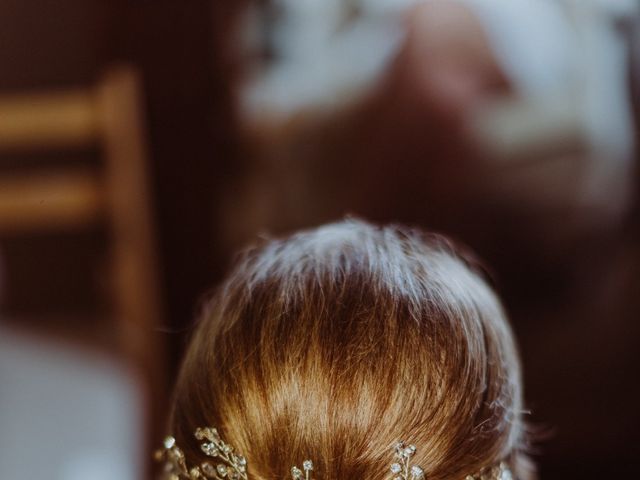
(116, 195)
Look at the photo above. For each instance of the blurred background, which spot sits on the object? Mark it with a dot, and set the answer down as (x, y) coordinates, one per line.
(143, 142)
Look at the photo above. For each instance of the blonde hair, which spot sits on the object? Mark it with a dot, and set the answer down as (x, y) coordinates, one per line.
(334, 343)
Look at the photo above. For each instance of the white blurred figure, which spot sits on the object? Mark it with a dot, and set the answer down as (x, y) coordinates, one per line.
(572, 108)
(560, 141)
(326, 52)
(67, 414)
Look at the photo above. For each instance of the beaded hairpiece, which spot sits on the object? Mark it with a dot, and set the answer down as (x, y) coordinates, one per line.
(233, 466)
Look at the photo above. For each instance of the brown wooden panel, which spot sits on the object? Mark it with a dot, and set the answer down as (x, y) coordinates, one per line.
(49, 200)
(49, 120)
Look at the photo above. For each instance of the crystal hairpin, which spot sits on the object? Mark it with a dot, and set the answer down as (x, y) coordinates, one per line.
(233, 466)
(297, 474)
(402, 469)
(496, 472)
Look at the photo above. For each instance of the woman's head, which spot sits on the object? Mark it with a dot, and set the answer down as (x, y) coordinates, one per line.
(335, 343)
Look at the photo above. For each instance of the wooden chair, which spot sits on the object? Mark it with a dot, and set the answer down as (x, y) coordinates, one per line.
(115, 196)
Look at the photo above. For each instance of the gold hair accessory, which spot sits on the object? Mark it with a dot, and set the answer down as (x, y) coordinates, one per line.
(232, 466)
